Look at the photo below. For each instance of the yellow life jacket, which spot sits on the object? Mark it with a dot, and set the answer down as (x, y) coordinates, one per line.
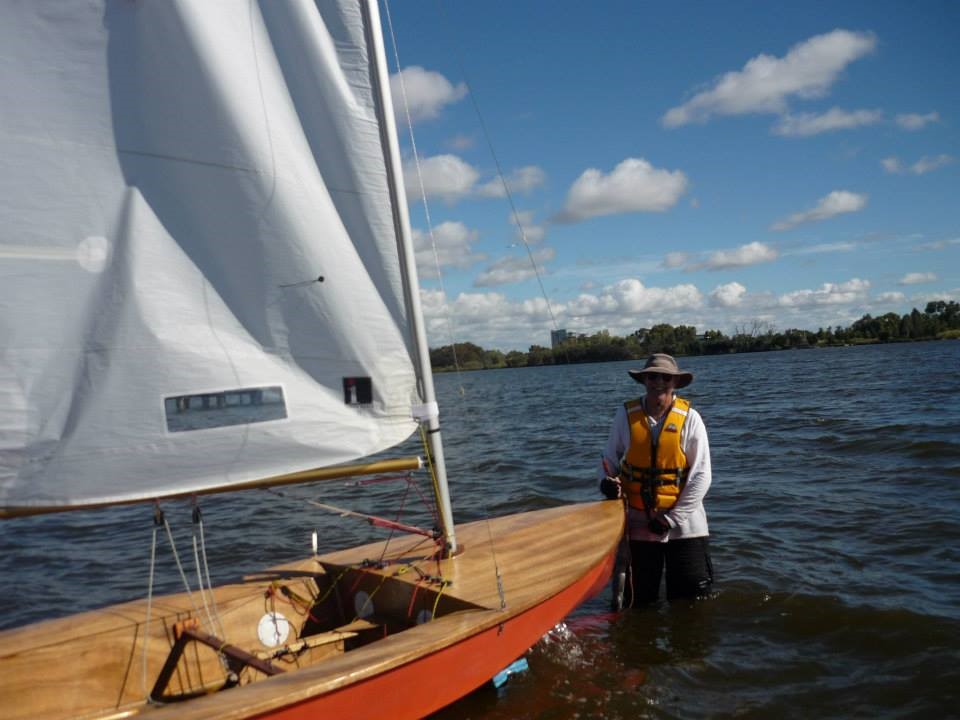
(654, 473)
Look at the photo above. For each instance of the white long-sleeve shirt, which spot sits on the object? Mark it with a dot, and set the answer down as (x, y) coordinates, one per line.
(687, 518)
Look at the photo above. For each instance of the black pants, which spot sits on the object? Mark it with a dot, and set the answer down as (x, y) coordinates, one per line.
(689, 570)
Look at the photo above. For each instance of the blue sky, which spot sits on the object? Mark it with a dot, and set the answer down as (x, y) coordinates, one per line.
(724, 165)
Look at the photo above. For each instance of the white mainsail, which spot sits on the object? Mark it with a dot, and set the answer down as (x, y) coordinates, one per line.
(199, 272)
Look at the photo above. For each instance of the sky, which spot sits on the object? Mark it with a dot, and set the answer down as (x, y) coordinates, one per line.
(733, 166)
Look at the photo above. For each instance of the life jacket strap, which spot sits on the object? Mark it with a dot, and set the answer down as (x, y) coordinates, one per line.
(655, 477)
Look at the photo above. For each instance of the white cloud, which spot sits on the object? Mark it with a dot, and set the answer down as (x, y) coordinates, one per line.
(426, 91)
(766, 83)
(630, 296)
(633, 186)
(514, 268)
(486, 318)
(452, 240)
(836, 203)
(535, 309)
(806, 124)
(729, 295)
(432, 302)
(854, 290)
(444, 176)
(917, 278)
(745, 255)
(938, 244)
(892, 165)
(920, 167)
(521, 180)
(915, 121)
(843, 246)
(927, 164)
(526, 228)
(676, 259)
(634, 297)
(460, 142)
(491, 320)
(921, 299)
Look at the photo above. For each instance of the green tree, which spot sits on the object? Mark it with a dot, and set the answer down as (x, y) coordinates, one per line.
(539, 355)
(515, 358)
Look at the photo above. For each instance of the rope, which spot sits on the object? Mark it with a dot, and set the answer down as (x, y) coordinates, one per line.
(200, 584)
(206, 569)
(426, 209)
(432, 472)
(343, 512)
(332, 586)
(369, 600)
(146, 624)
(436, 602)
(183, 575)
(403, 502)
(413, 597)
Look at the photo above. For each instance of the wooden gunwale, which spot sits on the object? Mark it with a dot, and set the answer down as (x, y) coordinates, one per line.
(550, 561)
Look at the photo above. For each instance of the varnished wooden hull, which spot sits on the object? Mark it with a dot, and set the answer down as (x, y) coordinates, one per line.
(549, 562)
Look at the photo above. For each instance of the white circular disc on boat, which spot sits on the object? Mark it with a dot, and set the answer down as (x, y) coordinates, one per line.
(424, 616)
(273, 629)
(362, 605)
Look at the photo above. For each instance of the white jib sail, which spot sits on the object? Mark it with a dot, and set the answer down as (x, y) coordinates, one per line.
(199, 282)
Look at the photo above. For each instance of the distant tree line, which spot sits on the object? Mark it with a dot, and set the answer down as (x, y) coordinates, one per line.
(939, 320)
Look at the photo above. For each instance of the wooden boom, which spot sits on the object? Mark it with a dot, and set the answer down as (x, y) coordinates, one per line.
(305, 476)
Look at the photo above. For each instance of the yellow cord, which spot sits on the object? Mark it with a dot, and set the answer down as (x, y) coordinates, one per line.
(369, 599)
(436, 602)
(332, 586)
(433, 474)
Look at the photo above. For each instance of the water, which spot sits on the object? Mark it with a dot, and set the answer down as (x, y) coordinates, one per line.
(834, 514)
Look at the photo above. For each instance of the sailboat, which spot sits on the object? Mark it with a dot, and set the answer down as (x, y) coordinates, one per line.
(207, 284)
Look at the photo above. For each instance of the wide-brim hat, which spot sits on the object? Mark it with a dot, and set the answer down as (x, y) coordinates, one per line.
(661, 363)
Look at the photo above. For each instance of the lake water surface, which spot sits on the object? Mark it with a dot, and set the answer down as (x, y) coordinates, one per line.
(835, 529)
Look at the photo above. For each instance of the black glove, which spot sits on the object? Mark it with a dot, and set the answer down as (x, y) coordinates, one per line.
(658, 526)
(610, 487)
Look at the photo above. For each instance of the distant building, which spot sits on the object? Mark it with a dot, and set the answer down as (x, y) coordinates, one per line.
(558, 337)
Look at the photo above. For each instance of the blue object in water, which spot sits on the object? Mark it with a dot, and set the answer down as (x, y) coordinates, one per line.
(515, 667)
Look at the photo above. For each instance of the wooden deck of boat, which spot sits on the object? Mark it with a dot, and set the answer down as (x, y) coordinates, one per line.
(91, 665)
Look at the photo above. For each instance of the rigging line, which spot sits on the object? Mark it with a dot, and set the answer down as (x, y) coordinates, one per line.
(433, 474)
(198, 520)
(176, 557)
(403, 504)
(436, 601)
(203, 589)
(526, 245)
(374, 520)
(196, 564)
(423, 193)
(523, 237)
(146, 624)
(500, 175)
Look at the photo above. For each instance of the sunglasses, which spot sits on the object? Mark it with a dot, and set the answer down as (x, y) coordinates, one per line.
(662, 377)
